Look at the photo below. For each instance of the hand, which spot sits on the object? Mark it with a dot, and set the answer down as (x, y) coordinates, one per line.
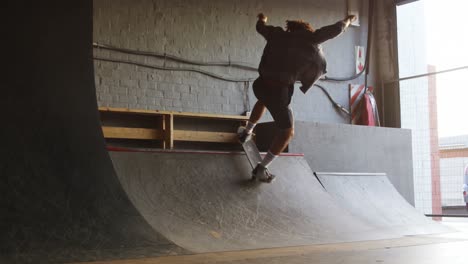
(262, 17)
(351, 18)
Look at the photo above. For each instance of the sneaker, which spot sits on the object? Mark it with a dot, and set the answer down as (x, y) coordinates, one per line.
(262, 174)
(242, 135)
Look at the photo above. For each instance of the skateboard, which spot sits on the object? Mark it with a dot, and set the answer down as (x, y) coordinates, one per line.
(252, 153)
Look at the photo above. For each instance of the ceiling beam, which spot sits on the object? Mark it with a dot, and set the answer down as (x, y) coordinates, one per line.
(404, 2)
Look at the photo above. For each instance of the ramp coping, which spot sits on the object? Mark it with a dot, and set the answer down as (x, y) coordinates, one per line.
(350, 173)
(123, 149)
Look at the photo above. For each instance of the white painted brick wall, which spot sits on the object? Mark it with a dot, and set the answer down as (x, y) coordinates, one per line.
(207, 30)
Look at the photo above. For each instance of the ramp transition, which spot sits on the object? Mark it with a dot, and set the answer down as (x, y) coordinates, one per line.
(62, 201)
(203, 202)
(372, 198)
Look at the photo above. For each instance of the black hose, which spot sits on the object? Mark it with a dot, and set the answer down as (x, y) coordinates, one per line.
(164, 68)
(335, 104)
(238, 65)
(175, 58)
(344, 79)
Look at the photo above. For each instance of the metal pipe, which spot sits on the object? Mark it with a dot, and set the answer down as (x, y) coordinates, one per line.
(427, 74)
(446, 215)
(369, 42)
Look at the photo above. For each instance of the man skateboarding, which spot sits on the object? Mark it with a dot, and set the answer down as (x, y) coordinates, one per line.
(290, 55)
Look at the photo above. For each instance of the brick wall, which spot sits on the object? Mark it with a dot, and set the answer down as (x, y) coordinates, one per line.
(210, 31)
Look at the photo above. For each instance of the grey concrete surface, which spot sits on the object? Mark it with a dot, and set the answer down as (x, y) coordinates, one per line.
(62, 199)
(350, 148)
(374, 200)
(203, 202)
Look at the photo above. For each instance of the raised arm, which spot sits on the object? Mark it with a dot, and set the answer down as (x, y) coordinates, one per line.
(265, 30)
(328, 32)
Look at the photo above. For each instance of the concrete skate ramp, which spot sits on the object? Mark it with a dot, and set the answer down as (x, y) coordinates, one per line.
(60, 199)
(203, 202)
(372, 198)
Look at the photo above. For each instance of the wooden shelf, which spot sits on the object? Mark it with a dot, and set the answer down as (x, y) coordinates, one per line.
(204, 136)
(174, 113)
(164, 122)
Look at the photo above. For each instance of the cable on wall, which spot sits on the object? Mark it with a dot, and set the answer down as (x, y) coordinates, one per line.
(239, 65)
(165, 68)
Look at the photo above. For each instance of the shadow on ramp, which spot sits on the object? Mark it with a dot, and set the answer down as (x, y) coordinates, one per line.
(60, 199)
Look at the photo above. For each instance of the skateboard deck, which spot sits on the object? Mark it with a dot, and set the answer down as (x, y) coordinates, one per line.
(252, 153)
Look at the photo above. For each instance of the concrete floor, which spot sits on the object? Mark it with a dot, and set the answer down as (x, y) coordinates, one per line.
(431, 249)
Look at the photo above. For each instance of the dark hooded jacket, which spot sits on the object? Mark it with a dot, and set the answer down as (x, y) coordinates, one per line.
(295, 56)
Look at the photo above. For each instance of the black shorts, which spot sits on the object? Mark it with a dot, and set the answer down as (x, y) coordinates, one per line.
(276, 97)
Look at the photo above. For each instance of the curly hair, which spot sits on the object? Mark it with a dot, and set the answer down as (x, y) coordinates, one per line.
(295, 25)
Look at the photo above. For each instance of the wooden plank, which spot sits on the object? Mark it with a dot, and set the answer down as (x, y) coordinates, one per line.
(205, 136)
(132, 111)
(168, 128)
(212, 116)
(180, 135)
(174, 113)
(132, 133)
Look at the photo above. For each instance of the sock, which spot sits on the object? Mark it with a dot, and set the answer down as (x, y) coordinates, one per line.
(249, 128)
(269, 158)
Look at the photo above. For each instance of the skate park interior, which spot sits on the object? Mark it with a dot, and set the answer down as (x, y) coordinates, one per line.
(116, 155)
